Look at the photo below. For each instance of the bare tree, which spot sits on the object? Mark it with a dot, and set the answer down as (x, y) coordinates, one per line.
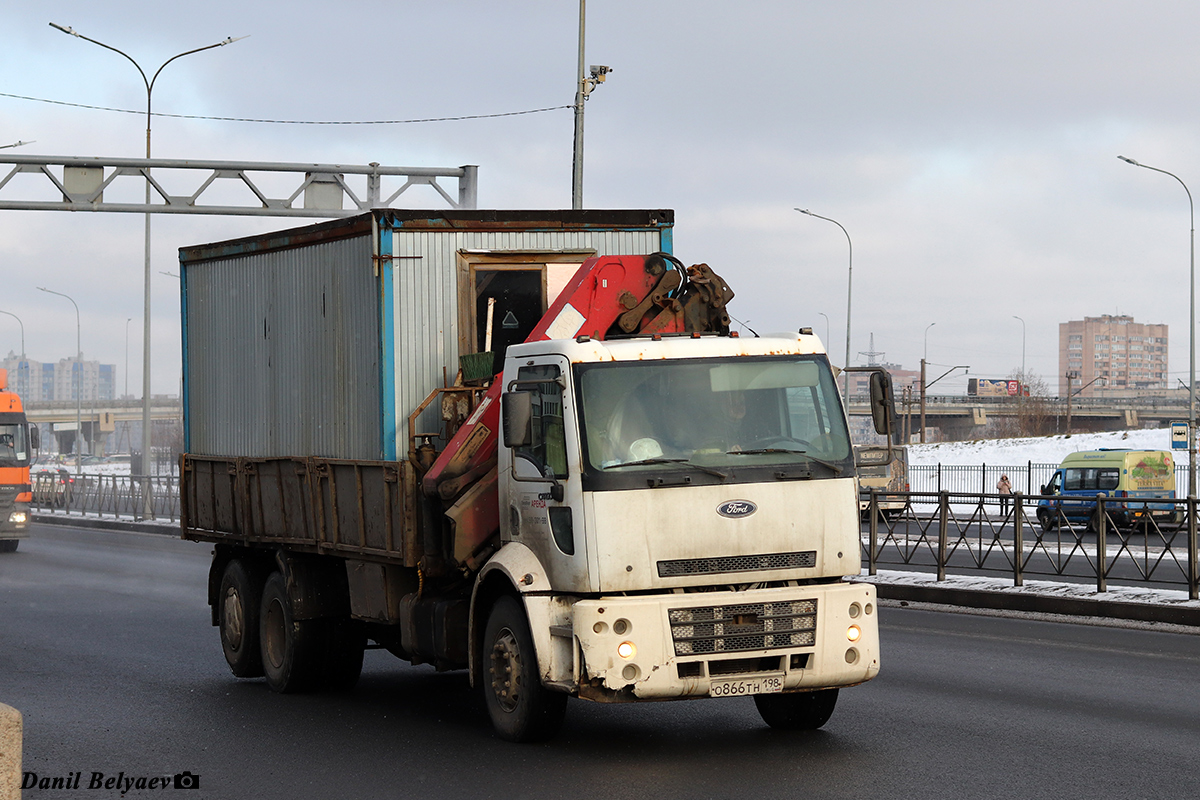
(1031, 415)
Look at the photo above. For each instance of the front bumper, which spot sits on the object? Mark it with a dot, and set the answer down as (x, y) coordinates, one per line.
(679, 645)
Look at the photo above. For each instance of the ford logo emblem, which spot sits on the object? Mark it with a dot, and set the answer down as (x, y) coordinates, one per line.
(734, 509)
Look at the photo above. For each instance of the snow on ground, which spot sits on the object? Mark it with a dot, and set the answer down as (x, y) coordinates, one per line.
(1039, 449)
(1063, 589)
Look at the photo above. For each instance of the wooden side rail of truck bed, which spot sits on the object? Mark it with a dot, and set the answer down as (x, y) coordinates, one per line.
(365, 509)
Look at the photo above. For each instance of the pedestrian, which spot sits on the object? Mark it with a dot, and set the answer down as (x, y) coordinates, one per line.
(1005, 489)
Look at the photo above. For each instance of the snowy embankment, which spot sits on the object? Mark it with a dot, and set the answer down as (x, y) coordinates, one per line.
(1039, 449)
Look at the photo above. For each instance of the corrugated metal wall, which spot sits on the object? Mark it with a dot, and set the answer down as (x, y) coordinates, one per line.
(425, 295)
(282, 352)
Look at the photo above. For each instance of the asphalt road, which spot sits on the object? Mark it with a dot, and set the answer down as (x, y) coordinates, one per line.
(106, 647)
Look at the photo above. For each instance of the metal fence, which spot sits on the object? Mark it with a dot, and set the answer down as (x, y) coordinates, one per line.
(981, 478)
(1016, 535)
(107, 495)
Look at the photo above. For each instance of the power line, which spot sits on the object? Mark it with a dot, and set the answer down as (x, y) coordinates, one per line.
(289, 121)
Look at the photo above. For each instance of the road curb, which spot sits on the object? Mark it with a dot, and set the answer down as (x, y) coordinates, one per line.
(107, 524)
(10, 753)
(1039, 603)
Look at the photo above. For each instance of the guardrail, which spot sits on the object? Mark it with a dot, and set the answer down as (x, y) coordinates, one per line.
(1121, 539)
(973, 478)
(107, 495)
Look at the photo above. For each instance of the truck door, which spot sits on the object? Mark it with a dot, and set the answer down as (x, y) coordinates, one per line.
(551, 527)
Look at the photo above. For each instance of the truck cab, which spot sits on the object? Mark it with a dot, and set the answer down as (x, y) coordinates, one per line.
(657, 503)
(18, 441)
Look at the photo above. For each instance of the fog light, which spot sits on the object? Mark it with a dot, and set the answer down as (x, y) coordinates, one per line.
(17, 517)
(853, 633)
(626, 650)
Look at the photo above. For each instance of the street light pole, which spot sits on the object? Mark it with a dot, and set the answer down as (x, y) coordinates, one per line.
(1191, 329)
(826, 316)
(78, 382)
(583, 90)
(127, 321)
(849, 288)
(924, 358)
(146, 397)
(22, 324)
(1023, 379)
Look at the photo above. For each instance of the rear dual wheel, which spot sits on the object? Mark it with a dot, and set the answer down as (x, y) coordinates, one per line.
(240, 598)
(260, 635)
(309, 654)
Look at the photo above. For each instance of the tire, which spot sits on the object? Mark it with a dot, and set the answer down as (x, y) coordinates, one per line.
(521, 709)
(799, 711)
(292, 658)
(1047, 519)
(240, 602)
(9, 545)
(1093, 522)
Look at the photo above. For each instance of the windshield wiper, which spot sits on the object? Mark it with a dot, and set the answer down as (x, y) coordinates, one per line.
(764, 450)
(661, 460)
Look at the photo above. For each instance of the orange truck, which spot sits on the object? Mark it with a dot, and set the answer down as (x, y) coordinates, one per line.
(18, 441)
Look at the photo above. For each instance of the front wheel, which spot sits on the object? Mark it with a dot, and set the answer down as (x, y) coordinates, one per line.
(1047, 519)
(800, 711)
(522, 710)
(8, 545)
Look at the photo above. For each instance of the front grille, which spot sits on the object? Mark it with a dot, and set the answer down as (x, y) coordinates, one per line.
(749, 626)
(745, 666)
(710, 566)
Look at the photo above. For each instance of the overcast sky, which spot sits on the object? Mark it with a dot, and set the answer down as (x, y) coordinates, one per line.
(970, 150)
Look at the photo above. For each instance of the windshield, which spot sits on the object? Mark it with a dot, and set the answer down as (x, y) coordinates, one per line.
(714, 417)
(14, 447)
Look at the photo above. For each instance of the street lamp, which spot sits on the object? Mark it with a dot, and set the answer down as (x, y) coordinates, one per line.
(826, 316)
(146, 279)
(849, 285)
(1191, 329)
(78, 383)
(1023, 380)
(22, 324)
(127, 321)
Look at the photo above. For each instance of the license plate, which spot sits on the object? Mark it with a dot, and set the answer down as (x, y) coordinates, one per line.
(746, 686)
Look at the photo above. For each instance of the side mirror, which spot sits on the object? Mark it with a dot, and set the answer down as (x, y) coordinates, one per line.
(516, 412)
(883, 410)
(35, 436)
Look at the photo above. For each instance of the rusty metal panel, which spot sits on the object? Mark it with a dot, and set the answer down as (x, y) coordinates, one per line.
(282, 352)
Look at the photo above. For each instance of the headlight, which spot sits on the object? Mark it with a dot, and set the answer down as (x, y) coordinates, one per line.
(18, 517)
(626, 650)
(853, 633)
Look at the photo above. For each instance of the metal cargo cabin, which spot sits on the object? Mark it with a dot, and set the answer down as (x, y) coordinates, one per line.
(321, 341)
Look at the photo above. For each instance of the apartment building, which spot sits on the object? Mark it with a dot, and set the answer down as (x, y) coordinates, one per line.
(1112, 355)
